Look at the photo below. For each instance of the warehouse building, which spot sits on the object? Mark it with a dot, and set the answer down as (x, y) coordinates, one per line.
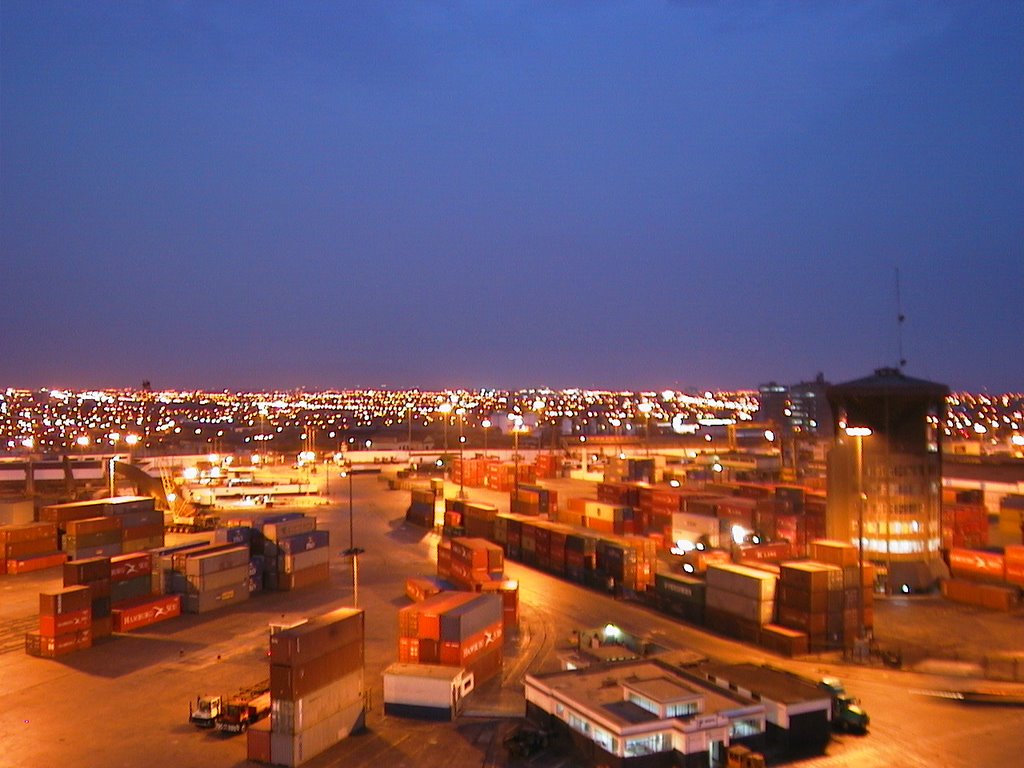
(644, 713)
(798, 712)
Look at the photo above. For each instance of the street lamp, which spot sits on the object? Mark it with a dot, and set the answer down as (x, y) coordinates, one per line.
(517, 427)
(462, 461)
(445, 408)
(353, 551)
(858, 434)
(486, 424)
(131, 441)
(645, 408)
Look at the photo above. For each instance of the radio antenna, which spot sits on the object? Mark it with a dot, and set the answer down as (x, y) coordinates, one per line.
(900, 318)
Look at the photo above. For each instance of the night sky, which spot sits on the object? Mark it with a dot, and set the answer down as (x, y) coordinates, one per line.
(428, 194)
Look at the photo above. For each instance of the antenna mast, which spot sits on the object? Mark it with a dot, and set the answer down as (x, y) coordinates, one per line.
(900, 317)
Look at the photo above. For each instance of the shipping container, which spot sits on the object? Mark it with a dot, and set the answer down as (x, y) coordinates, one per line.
(296, 749)
(145, 611)
(317, 636)
(66, 600)
(295, 681)
(430, 692)
(977, 564)
(129, 566)
(295, 716)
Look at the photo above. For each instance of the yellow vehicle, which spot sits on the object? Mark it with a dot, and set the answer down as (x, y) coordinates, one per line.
(739, 756)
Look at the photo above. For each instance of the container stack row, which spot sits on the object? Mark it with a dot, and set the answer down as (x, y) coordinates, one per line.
(989, 578)
(740, 600)
(29, 547)
(456, 629)
(316, 688)
(106, 527)
(65, 623)
(94, 573)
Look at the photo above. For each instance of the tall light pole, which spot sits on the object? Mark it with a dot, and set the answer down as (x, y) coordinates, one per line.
(645, 408)
(353, 551)
(858, 434)
(486, 424)
(462, 461)
(517, 427)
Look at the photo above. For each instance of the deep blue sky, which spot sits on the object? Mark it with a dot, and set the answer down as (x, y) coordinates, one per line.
(608, 194)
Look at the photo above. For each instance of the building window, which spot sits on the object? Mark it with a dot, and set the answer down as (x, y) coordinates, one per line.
(648, 745)
(682, 710)
(577, 723)
(739, 729)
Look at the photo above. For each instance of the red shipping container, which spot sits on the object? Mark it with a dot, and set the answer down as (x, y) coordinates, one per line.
(38, 563)
(1013, 559)
(65, 623)
(977, 564)
(123, 567)
(145, 611)
(67, 600)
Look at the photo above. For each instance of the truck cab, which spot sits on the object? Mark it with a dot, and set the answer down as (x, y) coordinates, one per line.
(847, 712)
(205, 710)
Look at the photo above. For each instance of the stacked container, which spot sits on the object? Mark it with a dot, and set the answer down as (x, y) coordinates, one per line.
(478, 519)
(142, 524)
(683, 596)
(627, 563)
(296, 554)
(316, 686)
(502, 476)
(847, 557)
(29, 547)
(459, 629)
(65, 623)
(547, 465)
(421, 508)
(811, 599)
(533, 500)
(473, 561)
(93, 537)
(95, 574)
(216, 579)
(740, 600)
(133, 603)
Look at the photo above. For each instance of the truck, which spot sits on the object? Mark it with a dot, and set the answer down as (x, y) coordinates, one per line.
(847, 713)
(246, 706)
(739, 756)
(205, 710)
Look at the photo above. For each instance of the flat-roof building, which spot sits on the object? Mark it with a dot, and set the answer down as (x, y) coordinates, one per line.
(646, 713)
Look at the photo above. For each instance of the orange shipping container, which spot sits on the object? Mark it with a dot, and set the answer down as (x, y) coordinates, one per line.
(977, 564)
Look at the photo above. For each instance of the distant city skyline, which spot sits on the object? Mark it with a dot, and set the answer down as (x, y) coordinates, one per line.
(601, 195)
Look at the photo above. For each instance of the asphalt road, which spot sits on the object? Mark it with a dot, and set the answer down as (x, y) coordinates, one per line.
(125, 701)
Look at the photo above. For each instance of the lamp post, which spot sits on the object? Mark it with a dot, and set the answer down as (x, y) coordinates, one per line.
(858, 434)
(462, 462)
(353, 551)
(517, 427)
(645, 408)
(486, 424)
(131, 441)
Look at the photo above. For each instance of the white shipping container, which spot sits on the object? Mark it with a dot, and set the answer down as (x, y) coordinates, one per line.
(427, 685)
(293, 749)
(752, 609)
(216, 561)
(232, 577)
(601, 510)
(689, 527)
(741, 580)
(312, 709)
(307, 559)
